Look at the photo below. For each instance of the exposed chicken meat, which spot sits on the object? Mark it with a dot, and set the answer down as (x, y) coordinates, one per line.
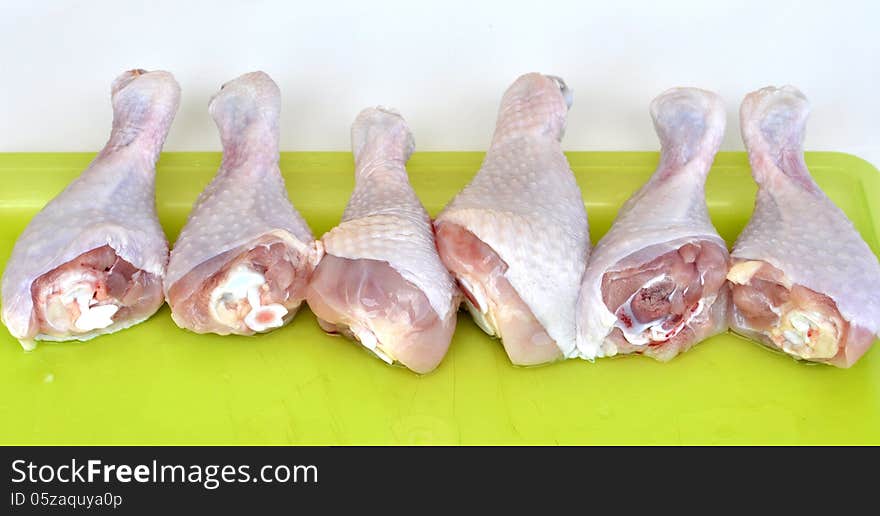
(656, 301)
(253, 290)
(90, 292)
(368, 301)
(793, 318)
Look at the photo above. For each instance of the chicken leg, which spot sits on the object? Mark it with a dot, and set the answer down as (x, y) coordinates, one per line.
(516, 238)
(655, 283)
(92, 260)
(381, 281)
(243, 260)
(803, 280)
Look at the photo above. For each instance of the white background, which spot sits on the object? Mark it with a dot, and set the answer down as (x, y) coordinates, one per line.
(443, 65)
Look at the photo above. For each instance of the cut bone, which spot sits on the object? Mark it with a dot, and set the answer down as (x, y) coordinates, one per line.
(245, 283)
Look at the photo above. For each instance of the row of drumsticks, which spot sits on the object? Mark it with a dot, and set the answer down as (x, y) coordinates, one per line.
(513, 245)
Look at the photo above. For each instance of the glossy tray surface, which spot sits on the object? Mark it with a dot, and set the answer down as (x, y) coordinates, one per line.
(157, 384)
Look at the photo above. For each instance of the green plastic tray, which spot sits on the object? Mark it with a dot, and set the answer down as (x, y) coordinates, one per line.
(157, 384)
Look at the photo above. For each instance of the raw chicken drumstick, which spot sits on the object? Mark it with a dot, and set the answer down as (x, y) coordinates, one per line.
(803, 280)
(381, 281)
(655, 283)
(92, 260)
(243, 260)
(516, 238)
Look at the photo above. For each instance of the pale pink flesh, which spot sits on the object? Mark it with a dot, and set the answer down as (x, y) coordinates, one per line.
(371, 295)
(695, 271)
(683, 340)
(473, 262)
(113, 281)
(286, 273)
(752, 304)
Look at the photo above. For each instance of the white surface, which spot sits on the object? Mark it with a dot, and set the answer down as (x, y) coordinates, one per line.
(444, 66)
